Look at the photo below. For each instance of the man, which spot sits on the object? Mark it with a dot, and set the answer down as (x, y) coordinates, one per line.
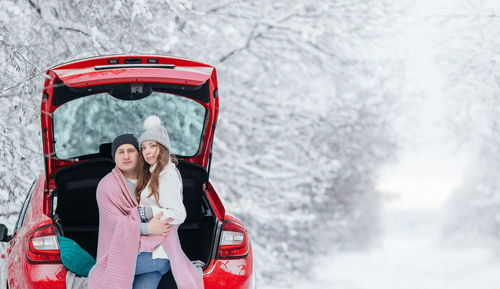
(121, 234)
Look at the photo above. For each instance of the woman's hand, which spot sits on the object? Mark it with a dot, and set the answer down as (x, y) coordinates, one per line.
(156, 226)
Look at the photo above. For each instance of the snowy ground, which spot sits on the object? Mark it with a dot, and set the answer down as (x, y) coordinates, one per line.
(411, 255)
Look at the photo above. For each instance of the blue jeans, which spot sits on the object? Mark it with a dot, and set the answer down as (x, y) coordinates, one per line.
(148, 271)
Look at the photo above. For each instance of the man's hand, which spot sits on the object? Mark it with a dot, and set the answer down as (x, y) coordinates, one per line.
(156, 226)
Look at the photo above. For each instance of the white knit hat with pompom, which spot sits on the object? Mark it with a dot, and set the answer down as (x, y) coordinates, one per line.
(155, 131)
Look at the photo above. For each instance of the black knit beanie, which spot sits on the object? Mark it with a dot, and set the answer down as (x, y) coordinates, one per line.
(123, 139)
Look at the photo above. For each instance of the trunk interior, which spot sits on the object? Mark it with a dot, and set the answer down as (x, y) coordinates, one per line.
(76, 213)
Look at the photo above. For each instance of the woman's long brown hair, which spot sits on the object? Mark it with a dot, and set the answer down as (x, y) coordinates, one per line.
(145, 175)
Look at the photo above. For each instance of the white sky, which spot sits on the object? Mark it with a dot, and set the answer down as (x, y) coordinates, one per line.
(422, 178)
(428, 168)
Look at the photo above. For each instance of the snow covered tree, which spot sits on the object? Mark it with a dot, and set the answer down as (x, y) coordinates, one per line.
(304, 121)
(475, 117)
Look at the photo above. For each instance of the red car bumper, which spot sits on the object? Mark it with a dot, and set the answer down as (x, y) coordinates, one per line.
(221, 274)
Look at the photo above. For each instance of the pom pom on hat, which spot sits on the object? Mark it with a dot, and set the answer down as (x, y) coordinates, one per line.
(155, 131)
(151, 122)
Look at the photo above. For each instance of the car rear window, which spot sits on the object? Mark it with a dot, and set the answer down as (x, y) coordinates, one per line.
(82, 125)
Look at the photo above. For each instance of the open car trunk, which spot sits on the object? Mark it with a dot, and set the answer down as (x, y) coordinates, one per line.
(76, 213)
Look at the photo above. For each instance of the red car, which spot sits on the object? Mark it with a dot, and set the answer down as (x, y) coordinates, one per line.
(85, 104)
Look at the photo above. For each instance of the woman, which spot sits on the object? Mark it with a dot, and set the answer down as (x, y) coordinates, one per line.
(159, 190)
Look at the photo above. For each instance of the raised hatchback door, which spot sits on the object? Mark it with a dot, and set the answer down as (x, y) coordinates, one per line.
(86, 103)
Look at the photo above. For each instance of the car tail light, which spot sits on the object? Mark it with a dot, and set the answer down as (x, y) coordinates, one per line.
(233, 242)
(42, 246)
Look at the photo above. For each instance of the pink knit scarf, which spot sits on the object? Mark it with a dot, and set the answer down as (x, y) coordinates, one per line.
(120, 241)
